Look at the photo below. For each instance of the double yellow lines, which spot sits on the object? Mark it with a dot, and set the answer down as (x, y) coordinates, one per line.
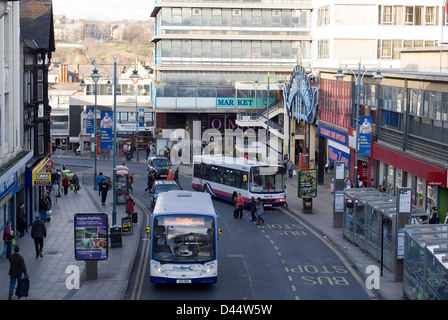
(141, 271)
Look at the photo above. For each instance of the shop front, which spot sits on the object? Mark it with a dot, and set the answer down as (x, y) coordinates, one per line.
(37, 180)
(8, 189)
(428, 182)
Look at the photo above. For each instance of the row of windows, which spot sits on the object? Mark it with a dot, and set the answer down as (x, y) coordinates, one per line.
(222, 17)
(390, 49)
(296, 2)
(409, 15)
(208, 52)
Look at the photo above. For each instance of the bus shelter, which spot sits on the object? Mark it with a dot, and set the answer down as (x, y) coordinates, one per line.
(370, 222)
(425, 272)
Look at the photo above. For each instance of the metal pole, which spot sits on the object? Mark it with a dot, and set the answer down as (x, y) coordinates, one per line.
(267, 123)
(114, 148)
(358, 94)
(95, 141)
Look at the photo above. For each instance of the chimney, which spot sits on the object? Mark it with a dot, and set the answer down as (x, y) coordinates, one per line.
(63, 77)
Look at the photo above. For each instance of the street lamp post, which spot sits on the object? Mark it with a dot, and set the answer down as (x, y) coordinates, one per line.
(95, 77)
(135, 77)
(339, 76)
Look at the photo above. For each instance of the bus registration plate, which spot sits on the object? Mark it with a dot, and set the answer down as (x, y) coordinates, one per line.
(183, 281)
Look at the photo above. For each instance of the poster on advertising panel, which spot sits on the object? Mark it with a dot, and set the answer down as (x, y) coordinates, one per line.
(90, 120)
(106, 131)
(307, 183)
(91, 236)
(365, 136)
(141, 117)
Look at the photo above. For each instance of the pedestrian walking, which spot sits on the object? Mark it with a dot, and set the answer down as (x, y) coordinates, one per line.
(55, 192)
(43, 207)
(259, 211)
(21, 219)
(17, 268)
(239, 204)
(8, 235)
(75, 182)
(65, 184)
(131, 181)
(290, 167)
(253, 208)
(130, 204)
(176, 176)
(169, 177)
(150, 181)
(38, 233)
(103, 189)
(99, 179)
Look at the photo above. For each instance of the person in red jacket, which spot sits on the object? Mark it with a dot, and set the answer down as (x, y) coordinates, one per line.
(239, 206)
(130, 206)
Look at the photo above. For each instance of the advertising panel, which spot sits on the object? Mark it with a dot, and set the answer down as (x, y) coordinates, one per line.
(91, 236)
(307, 183)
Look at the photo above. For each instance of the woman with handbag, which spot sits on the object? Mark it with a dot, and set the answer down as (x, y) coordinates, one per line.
(7, 237)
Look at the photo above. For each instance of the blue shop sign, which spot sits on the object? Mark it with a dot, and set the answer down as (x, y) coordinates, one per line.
(334, 154)
(334, 135)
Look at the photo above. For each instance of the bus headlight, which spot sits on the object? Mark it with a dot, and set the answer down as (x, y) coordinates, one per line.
(158, 268)
(208, 269)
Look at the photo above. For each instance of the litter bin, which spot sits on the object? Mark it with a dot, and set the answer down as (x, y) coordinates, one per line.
(115, 237)
(307, 204)
(134, 217)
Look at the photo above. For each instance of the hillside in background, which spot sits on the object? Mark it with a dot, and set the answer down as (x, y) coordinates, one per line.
(134, 43)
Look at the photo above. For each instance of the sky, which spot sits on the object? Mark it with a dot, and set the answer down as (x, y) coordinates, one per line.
(111, 10)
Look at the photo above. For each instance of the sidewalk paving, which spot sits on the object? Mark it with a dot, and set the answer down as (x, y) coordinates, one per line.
(48, 275)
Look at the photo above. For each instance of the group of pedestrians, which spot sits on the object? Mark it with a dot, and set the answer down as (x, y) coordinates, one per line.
(256, 209)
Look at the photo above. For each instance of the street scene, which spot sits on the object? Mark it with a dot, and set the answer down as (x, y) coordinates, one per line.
(200, 154)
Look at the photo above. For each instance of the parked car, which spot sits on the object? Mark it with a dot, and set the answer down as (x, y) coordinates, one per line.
(160, 166)
(162, 186)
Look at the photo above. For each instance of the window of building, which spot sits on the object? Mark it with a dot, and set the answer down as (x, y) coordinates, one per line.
(386, 17)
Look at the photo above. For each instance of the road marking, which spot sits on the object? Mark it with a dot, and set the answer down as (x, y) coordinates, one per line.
(338, 254)
(141, 270)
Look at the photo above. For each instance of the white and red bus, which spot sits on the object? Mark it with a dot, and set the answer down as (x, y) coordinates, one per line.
(223, 177)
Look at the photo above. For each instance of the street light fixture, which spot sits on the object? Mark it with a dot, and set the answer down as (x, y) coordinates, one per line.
(340, 76)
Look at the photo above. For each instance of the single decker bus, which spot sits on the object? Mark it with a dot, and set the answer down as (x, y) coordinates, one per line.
(224, 177)
(184, 238)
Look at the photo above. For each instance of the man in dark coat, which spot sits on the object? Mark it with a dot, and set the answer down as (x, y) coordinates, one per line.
(104, 187)
(16, 269)
(38, 233)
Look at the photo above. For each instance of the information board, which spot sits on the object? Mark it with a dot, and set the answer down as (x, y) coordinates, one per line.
(91, 236)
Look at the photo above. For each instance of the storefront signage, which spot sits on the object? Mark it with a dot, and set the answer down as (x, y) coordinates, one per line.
(335, 155)
(334, 135)
(8, 184)
(41, 178)
(230, 102)
(91, 236)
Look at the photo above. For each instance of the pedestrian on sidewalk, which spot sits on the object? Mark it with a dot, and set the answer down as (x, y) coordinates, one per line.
(98, 182)
(17, 267)
(239, 206)
(43, 207)
(38, 233)
(104, 187)
(169, 177)
(290, 167)
(130, 206)
(55, 191)
(21, 219)
(131, 181)
(7, 238)
(75, 182)
(253, 208)
(65, 184)
(259, 211)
